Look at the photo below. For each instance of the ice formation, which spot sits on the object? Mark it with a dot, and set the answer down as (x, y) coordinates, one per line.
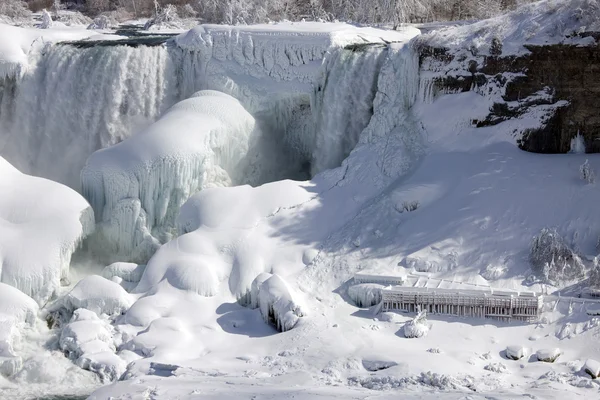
(365, 294)
(53, 224)
(137, 186)
(279, 304)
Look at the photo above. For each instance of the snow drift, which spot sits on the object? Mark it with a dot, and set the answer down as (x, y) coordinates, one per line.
(137, 186)
(38, 234)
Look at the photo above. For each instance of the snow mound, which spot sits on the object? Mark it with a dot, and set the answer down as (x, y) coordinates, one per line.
(548, 355)
(592, 368)
(162, 336)
(365, 294)
(279, 304)
(53, 225)
(99, 295)
(15, 305)
(137, 186)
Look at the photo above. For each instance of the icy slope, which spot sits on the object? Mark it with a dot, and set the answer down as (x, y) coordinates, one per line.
(137, 186)
(38, 233)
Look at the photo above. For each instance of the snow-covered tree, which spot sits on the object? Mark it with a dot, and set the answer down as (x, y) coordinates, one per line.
(46, 20)
(16, 10)
(586, 172)
(552, 260)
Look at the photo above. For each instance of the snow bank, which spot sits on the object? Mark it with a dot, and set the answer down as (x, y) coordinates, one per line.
(137, 186)
(539, 23)
(279, 304)
(53, 225)
(365, 294)
(99, 295)
(16, 44)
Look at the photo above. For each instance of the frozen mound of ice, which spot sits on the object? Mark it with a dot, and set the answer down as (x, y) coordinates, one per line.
(279, 304)
(548, 355)
(16, 305)
(365, 294)
(106, 364)
(99, 295)
(16, 310)
(38, 233)
(254, 300)
(137, 186)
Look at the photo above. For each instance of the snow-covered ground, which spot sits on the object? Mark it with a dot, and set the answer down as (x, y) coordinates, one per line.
(244, 291)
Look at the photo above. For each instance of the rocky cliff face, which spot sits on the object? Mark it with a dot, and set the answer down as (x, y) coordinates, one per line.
(559, 83)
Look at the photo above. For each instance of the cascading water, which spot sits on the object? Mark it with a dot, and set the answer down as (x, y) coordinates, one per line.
(343, 102)
(76, 101)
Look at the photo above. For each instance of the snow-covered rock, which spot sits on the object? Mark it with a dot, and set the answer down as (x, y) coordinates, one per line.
(38, 233)
(99, 295)
(279, 304)
(365, 294)
(592, 368)
(137, 186)
(86, 336)
(515, 352)
(106, 364)
(548, 355)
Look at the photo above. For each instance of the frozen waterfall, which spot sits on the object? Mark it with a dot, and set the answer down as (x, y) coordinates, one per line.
(77, 100)
(343, 102)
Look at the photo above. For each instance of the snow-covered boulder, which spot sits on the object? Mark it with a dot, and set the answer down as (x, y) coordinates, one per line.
(515, 352)
(365, 294)
(106, 364)
(41, 225)
(279, 304)
(592, 368)
(137, 186)
(99, 295)
(548, 355)
(86, 336)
